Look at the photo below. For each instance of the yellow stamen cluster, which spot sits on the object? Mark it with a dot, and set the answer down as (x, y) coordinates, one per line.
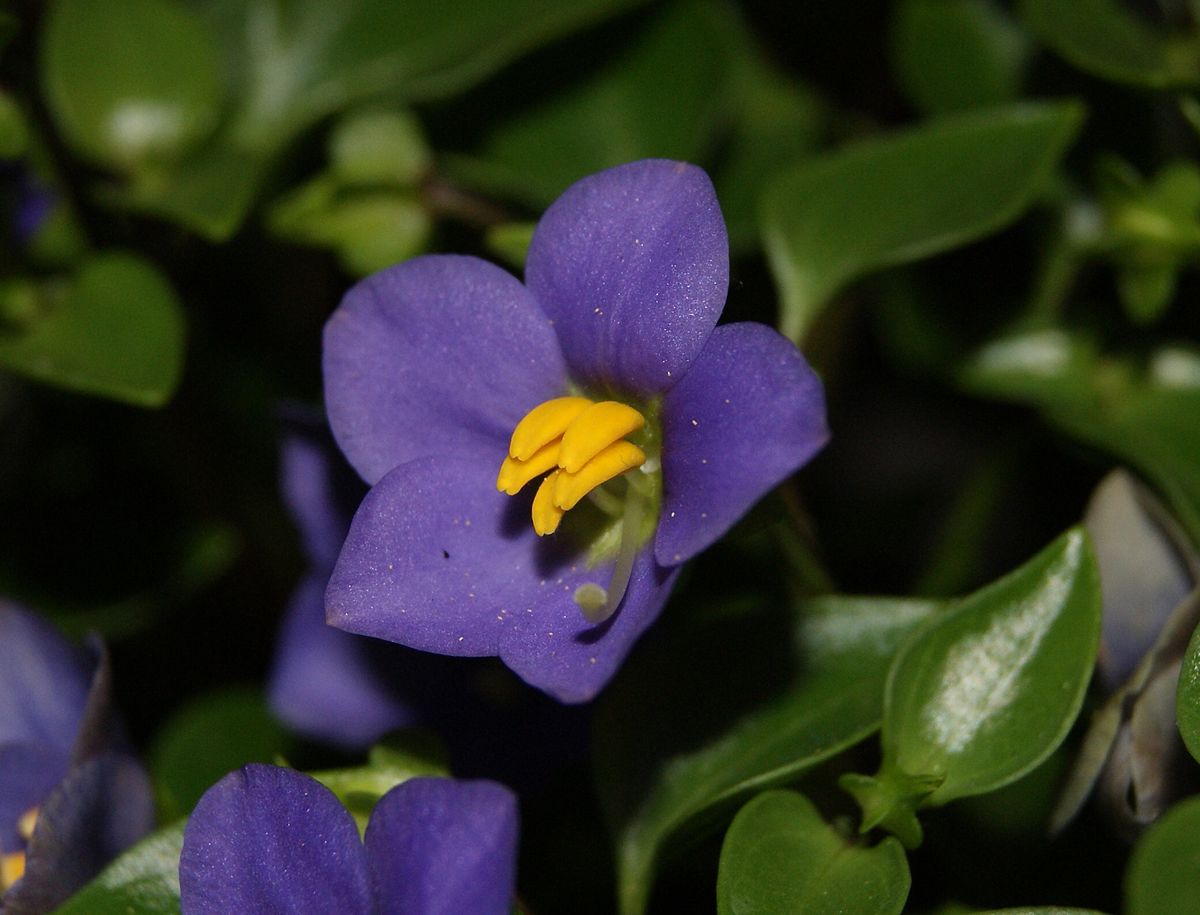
(579, 444)
(12, 865)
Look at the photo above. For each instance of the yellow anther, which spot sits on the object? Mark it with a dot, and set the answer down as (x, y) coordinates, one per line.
(26, 824)
(12, 869)
(595, 429)
(546, 515)
(543, 424)
(611, 462)
(515, 474)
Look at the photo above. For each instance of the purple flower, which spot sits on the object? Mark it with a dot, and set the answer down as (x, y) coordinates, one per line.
(324, 682)
(654, 429)
(351, 690)
(71, 798)
(266, 839)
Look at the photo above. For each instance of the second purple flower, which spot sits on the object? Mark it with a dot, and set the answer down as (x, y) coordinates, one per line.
(545, 456)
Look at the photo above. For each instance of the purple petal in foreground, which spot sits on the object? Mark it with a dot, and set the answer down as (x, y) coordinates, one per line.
(271, 840)
(44, 681)
(633, 266)
(441, 355)
(442, 847)
(438, 560)
(100, 809)
(324, 682)
(747, 414)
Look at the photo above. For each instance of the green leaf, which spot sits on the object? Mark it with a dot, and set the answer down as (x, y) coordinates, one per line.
(1187, 699)
(780, 858)
(1105, 39)
(776, 120)
(131, 83)
(510, 242)
(294, 62)
(378, 147)
(985, 692)
(1143, 412)
(661, 96)
(1164, 872)
(404, 755)
(666, 773)
(1040, 910)
(115, 329)
(905, 197)
(951, 55)
(145, 880)
(14, 134)
(209, 738)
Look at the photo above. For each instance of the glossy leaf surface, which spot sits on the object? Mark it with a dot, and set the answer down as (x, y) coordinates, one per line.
(131, 83)
(666, 772)
(984, 693)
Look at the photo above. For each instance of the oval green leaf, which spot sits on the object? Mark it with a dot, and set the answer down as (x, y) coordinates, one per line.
(1187, 698)
(116, 329)
(1164, 872)
(1105, 39)
(940, 185)
(130, 83)
(984, 693)
(145, 879)
(665, 773)
(780, 858)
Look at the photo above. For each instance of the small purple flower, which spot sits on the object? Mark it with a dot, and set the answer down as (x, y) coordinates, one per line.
(267, 839)
(652, 430)
(71, 798)
(351, 690)
(324, 682)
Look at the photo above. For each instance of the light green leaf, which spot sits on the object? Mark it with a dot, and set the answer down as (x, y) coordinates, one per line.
(144, 880)
(209, 738)
(378, 147)
(1143, 412)
(905, 197)
(1187, 699)
(1164, 872)
(1104, 38)
(115, 329)
(666, 773)
(952, 55)
(780, 858)
(404, 755)
(984, 693)
(130, 84)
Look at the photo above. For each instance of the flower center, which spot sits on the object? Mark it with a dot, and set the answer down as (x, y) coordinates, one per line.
(12, 865)
(579, 444)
